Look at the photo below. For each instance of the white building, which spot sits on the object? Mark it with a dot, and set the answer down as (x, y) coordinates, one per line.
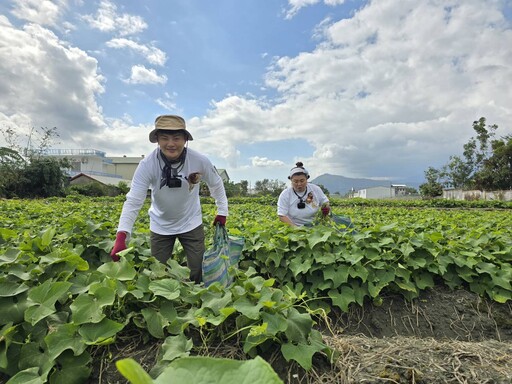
(394, 190)
(94, 165)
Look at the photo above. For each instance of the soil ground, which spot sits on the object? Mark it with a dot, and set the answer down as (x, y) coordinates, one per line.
(444, 336)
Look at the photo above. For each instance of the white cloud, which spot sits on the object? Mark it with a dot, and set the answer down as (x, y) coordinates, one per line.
(296, 5)
(265, 162)
(151, 53)
(167, 103)
(107, 19)
(43, 12)
(142, 75)
(47, 83)
(390, 91)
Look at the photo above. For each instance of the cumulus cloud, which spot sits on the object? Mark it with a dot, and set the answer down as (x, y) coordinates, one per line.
(167, 102)
(296, 5)
(151, 53)
(107, 19)
(142, 75)
(42, 12)
(47, 83)
(265, 162)
(392, 90)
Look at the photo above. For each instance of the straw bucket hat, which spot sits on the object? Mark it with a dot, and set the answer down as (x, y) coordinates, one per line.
(169, 123)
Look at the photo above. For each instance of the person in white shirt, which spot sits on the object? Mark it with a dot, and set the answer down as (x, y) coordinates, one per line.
(172, 172)
(298, 204)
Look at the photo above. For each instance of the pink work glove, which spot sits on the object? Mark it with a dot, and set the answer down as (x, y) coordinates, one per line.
(119, 245)
(220, 219)
(326, 210)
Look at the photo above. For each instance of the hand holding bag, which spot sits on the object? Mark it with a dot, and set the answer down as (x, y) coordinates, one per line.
(224, 253)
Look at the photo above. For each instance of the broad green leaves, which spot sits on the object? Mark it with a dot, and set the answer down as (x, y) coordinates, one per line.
(203, 370)
(42, 299)
(61, 295)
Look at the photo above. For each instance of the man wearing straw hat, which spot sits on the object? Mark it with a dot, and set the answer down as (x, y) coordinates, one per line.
(172, 172)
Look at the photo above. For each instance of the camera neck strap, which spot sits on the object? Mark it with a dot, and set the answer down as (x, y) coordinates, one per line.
(301, 198)
(168, 171)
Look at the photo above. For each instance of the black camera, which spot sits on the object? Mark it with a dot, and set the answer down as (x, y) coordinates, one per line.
(301, 204)
(174, 182)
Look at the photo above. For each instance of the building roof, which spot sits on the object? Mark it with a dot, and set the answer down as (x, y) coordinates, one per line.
(126, 159)
(106, 180)
(222, 172)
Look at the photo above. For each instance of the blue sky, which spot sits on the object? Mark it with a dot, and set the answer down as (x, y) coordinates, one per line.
(376, 89)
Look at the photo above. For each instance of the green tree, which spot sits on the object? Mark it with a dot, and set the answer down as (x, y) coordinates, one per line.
(460, 172)
(496, 171)
(268, 187)
(11, 166)
(485, 164)
(231, 189)
(26, 172)
(433, 187)
(123, 187)
(244, 187)
(325, 190)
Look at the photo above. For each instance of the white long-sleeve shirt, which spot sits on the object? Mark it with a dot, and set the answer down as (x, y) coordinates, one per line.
(172, 210)
(313, 198)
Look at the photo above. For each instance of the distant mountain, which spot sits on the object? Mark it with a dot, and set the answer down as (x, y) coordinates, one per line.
(343, 185)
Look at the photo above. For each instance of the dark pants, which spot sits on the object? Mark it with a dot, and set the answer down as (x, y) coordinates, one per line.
(193, 244)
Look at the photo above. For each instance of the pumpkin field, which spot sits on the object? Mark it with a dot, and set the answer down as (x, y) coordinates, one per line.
(415, 292)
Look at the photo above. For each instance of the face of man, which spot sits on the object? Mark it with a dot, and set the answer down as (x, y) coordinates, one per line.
(171, 144)
(299, 183)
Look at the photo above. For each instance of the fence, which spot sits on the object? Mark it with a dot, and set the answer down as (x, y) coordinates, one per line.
(459, 194)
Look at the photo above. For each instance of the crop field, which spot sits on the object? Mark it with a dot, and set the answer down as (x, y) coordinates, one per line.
(411, 294)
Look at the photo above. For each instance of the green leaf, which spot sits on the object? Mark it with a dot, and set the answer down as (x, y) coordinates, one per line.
(338, 275)
(298, 325)
(424, 280)
(88, 308)
(406, 249)
(216, 301)
(71, 369)
(9, 256)
(47, 237)
(318, 237)
(342, 298)
(43, 298)
(8, 288)
(132, 371)
(121, 270)
(248, 308)
(406, 285)
(218, 370)
(300, 265)
(27, 376)
(62, 338)
(168, 288)
(358, 270)
(276, 322)
(178, 271)
(8, 337)
(500, 295)
(100, 333)
(13, 308)
(302, 352)
(155, 322)
(354, 256)
(33, 354)
(502, 278)
(175, 346)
